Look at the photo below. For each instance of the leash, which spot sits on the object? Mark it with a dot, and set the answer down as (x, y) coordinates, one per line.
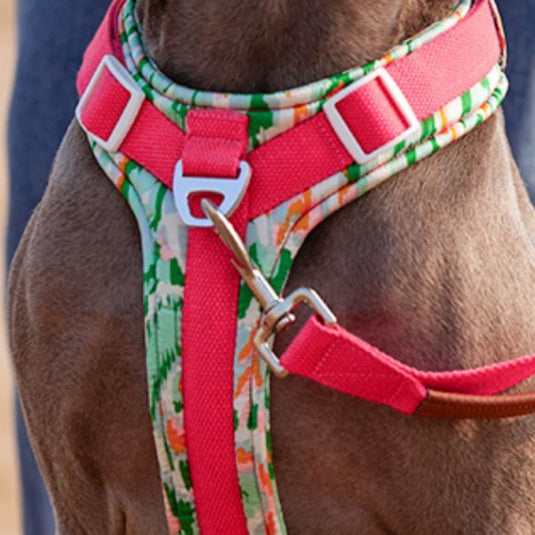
(328, 354)
(275, 166)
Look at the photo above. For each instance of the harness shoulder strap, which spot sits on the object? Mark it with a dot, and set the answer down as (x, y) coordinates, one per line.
(360, 123)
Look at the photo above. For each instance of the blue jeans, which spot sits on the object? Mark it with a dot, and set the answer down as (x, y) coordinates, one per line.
(520, 103)
(52, 38)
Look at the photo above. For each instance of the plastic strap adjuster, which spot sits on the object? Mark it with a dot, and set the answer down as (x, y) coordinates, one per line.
(343, 131)
(130, 112)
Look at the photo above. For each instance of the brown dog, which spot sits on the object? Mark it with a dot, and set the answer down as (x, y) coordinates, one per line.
(440, 274)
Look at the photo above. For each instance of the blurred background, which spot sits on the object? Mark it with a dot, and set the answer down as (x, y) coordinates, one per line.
(9, 491)
(520, 111)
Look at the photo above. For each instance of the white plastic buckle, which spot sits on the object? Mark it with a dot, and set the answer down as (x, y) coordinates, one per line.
(131, 110)
(232, 190)
(344, 132)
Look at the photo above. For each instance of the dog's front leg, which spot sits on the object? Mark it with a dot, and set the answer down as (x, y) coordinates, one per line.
(76, 328)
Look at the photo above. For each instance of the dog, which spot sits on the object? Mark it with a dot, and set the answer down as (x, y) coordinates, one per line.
(439, 273)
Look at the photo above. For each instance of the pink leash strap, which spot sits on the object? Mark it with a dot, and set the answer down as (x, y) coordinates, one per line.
(106, 41)
(335, 358)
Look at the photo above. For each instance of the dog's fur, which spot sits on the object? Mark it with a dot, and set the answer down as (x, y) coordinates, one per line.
(436, 267)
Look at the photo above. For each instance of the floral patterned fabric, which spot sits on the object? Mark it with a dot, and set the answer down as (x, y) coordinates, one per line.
(273, 240)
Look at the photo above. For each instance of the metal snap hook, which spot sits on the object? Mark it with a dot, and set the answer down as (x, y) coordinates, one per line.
(277, 311)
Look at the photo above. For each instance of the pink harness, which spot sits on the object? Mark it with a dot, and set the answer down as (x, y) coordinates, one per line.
(376, 113)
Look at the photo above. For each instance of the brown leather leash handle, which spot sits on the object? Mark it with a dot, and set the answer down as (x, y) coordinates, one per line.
(463, 406)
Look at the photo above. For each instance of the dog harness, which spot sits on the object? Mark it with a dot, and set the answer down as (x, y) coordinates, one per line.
(262, 171)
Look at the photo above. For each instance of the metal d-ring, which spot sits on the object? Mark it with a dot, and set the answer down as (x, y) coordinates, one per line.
(231, 189)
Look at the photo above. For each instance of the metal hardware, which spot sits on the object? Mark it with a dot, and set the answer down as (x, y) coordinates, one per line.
(344, 132)
(232, 190)
(277, 311)
(131, 110)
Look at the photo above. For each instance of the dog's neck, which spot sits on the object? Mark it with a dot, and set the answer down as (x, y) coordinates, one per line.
(268, 45)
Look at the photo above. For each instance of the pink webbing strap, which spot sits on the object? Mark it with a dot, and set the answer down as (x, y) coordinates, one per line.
(154, 142)
(215, 143)
(105, 41)
(340, 360)
(430, 78)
